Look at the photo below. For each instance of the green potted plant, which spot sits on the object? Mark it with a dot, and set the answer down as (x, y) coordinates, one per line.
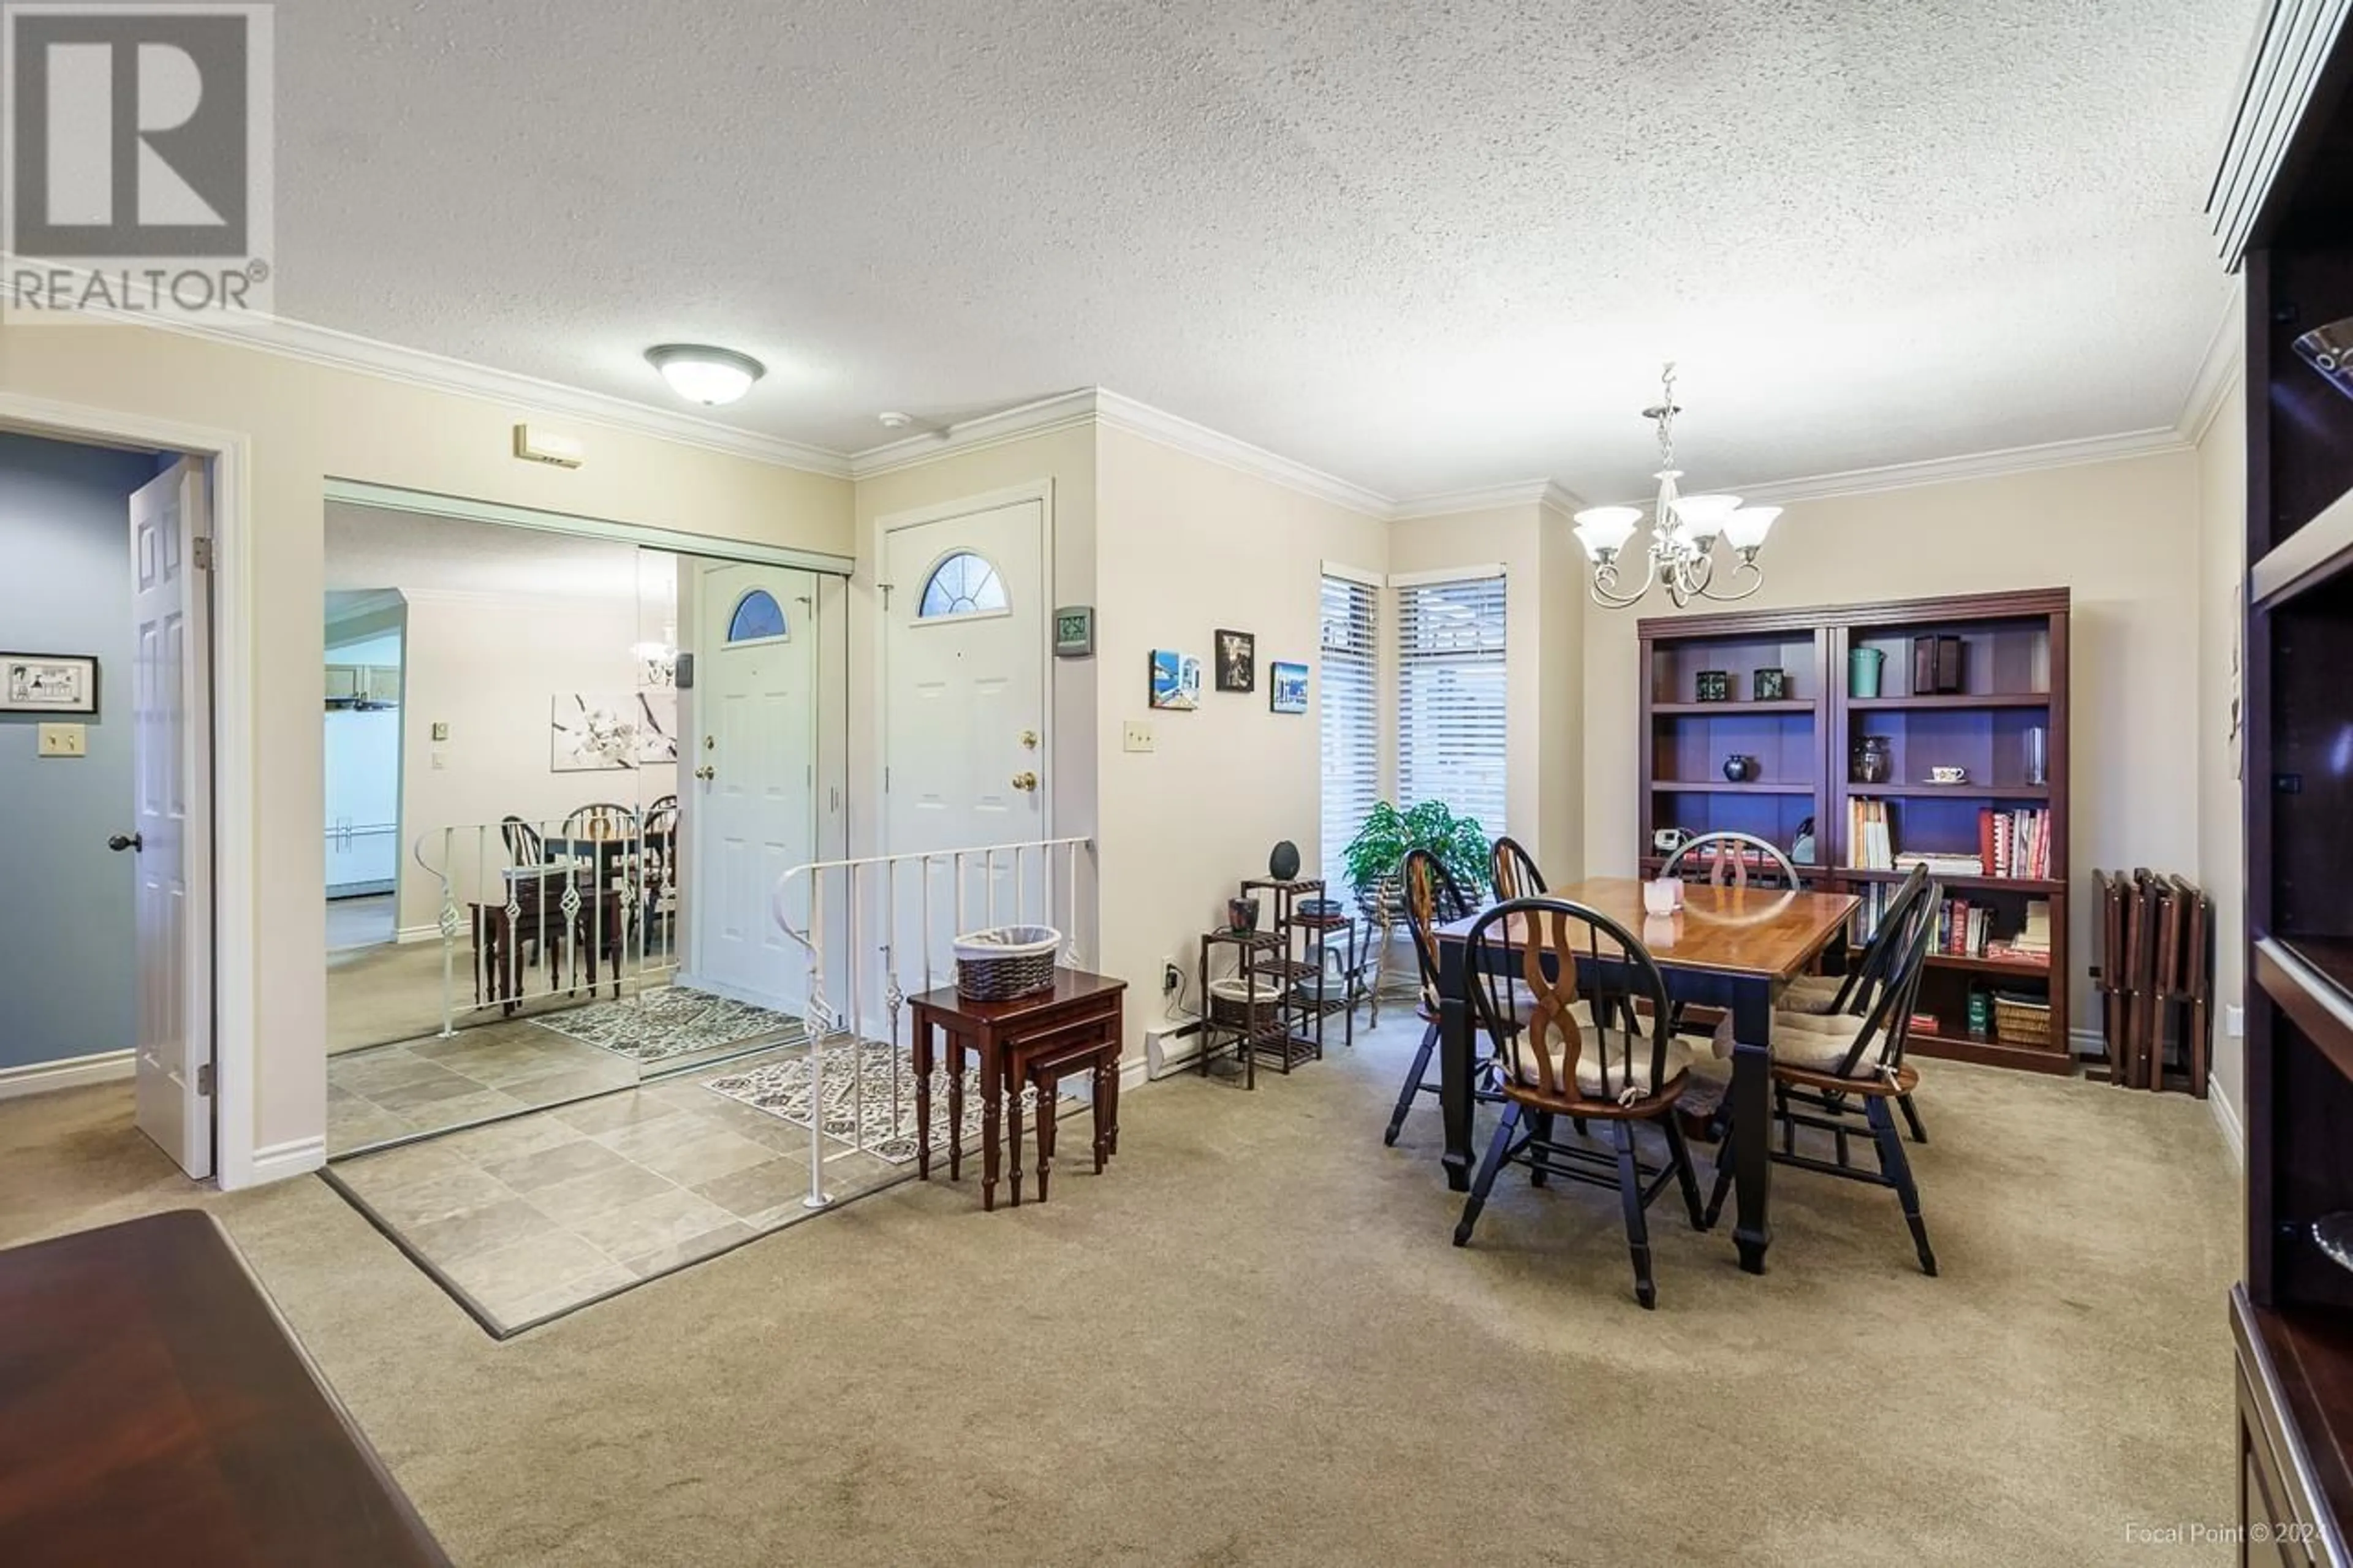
(1377, 854)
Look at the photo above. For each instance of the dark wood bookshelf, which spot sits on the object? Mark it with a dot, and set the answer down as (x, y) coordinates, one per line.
(2287, 212)
(2012, 680)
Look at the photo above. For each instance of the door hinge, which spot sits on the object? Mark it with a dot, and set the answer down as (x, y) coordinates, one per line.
(886, 593)
(204, 552)
(204, 1080)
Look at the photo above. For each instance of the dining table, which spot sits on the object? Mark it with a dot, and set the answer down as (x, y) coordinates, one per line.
(1732, 948)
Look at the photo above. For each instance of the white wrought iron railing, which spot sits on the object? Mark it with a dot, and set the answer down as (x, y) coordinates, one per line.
(870, 928)
(560, 908)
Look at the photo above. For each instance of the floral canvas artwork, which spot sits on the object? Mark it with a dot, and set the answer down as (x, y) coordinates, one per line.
(590, 734)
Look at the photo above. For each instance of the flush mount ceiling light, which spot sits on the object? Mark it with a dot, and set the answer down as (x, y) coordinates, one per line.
(1683, 530)
(700, 373)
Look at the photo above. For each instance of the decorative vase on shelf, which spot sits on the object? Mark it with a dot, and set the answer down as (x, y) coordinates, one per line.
(1862, 665)
(1739, 768)
(1242, 914)
(1875, 759)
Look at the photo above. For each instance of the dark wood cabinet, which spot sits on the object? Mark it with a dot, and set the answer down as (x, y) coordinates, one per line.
(1990, 699)
(2283, 206)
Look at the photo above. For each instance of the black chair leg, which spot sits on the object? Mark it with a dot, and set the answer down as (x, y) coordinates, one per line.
(1485, 1183)
(1722, 1188)
(1638, 1229)
(1412, 1083)
(1912, 1118)
(1679, 1151)
(1540, 1122)
(1898, 1170)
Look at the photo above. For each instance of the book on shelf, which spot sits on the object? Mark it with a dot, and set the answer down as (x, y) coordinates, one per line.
(2015, 845)
(1870, 836)
(1943, 865)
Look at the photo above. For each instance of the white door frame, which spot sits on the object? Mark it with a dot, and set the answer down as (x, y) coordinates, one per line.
(228, 928)
(1042, 493)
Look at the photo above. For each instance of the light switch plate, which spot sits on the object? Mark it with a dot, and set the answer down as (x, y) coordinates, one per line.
(1138, 737)
(2234, 1023)
(64, 741)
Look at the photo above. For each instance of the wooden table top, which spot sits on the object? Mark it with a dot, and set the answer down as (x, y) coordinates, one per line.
(1070, 985)
(159, 1411)
(1727, 930)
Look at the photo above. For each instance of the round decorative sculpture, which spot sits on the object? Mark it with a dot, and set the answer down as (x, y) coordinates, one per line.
(1283, 864)
(1739, 767)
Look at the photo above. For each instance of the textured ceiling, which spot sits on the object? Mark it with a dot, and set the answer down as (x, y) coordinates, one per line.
(1424, 248)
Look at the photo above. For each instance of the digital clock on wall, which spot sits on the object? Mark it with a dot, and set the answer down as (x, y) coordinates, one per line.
(1074, 631)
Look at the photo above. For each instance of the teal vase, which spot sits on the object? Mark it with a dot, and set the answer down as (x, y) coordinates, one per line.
(1862, 667)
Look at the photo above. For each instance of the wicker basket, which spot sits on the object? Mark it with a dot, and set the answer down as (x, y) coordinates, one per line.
(1006, 962)
(1232, 1005)
(2021, 1020)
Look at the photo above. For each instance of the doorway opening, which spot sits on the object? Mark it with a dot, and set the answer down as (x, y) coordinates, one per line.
(105, 760)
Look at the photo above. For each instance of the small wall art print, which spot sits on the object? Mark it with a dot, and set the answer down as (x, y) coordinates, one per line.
(1237, 661)
(588, 733)
(1176, 680)
(1287, 687)
(48, 683)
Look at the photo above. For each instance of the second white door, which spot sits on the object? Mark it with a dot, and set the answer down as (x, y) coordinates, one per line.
(964, 744)
(749, 777)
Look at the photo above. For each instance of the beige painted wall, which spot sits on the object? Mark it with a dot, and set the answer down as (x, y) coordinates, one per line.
(2221, 817)
(486, 666)
(1184, 546)
(307, 422)
(2122, 536)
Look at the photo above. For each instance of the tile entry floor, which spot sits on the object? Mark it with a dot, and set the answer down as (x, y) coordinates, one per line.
(389, 1092)
(526, 1219)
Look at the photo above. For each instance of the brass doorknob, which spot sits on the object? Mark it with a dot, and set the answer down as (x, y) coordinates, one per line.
(1025, 780)
(706, 772)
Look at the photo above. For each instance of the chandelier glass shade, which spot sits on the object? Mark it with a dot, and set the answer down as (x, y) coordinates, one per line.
(1685, 531)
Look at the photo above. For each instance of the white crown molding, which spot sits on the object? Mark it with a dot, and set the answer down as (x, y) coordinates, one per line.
(2221, 367)
(1059, 412)
(1200, 441)
(1454, 503)
(1971, 465)
(438, 373)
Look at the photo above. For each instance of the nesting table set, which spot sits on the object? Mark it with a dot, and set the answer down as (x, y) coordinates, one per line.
(1030, 1042)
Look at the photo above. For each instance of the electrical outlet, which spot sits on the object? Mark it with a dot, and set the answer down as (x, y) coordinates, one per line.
(1137, 737)
(62, 741)
(1172, 979)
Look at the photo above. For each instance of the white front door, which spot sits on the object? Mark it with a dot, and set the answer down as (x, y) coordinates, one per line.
(965, 722)
(171, 722)
(749, 777)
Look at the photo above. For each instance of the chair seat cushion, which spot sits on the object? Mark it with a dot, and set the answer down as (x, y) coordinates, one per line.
(1627, 1057)
(1811, 992)
(1819, 1042)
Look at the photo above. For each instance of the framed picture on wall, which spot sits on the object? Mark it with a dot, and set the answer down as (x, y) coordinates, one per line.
(1237, 661)
(48, 683)
(1287, 687)
(1175, 680)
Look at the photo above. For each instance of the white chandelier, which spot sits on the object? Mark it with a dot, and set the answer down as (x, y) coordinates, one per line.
(1683, 530)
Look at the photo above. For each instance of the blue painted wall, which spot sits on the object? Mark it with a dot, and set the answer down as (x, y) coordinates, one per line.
(68, 985)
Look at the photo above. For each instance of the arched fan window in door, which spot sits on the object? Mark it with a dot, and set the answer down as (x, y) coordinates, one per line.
(963, 585)
(757, 618)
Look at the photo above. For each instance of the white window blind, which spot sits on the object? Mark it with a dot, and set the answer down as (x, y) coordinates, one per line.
(1450, 685)
(1352, 750)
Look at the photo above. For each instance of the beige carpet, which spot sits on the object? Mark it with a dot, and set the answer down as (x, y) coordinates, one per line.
(1251, 1344)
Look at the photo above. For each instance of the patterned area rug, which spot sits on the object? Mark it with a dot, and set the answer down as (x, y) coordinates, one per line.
(671, 1022)
(886, 1128)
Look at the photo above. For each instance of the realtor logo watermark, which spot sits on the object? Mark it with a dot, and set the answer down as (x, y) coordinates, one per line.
(136, 151)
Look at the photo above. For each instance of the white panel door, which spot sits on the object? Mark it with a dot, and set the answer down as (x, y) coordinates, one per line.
(750, 778)
(964, 723)
(170, 720)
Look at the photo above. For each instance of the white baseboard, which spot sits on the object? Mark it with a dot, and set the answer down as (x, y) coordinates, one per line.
(408, 934)
(2226, 1117)
(277, 1161)
(40, 1078)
